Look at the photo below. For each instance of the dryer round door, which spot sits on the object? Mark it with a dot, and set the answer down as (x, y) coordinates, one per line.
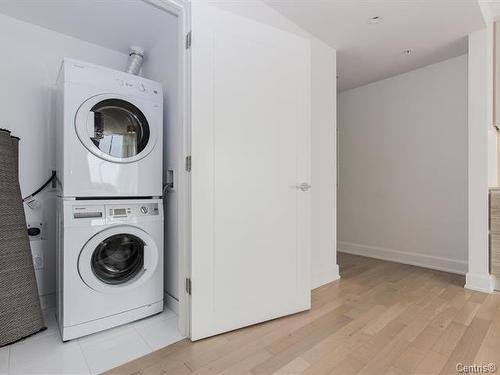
(118, 259)
(114, 128)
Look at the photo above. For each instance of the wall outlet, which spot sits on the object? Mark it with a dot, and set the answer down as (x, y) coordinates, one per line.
(35, 236)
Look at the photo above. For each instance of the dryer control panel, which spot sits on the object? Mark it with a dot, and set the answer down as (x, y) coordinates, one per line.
(83, 73)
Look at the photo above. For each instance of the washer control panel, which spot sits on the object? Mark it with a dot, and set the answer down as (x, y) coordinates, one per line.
(119, 211)
(94, 212)
(88, 212)
(123, 211)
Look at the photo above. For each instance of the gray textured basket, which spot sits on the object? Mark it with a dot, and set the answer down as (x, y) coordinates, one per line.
(20, 312)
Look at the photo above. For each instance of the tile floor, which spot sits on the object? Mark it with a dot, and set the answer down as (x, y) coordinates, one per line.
(46, 354)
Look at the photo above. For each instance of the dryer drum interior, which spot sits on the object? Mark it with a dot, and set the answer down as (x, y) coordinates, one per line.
(120, 128)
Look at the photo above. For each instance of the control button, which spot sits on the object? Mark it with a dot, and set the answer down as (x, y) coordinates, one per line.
(144, 210)
(142, 88)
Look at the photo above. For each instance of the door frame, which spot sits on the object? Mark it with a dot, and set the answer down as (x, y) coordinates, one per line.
(181, 10)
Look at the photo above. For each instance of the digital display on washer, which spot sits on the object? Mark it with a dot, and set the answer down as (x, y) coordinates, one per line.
(120, 211)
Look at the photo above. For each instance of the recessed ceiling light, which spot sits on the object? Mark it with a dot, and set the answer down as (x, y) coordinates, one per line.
(407, 52)
(375, 19)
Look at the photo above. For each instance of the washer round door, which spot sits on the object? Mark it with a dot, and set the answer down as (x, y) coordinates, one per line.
(114, 128)
(117, 259)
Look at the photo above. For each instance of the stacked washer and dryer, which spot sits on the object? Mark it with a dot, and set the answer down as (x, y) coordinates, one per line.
(110, 215)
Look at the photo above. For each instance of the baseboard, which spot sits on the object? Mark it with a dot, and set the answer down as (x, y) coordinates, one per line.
(172, 303)
(480, 282)
(325, 276)
(414, 259)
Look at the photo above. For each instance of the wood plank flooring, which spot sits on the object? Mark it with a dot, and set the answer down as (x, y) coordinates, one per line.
(380, 318)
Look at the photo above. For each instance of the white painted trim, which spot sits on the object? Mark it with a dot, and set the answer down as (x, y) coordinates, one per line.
(175, 7)
(181, 9)
(325, 276)
(171, 303)
(414, 259)
(496, 283)
(481, 283)
(185, 235)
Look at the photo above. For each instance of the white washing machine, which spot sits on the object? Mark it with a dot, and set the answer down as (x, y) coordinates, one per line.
(109, 263)
(108, 133)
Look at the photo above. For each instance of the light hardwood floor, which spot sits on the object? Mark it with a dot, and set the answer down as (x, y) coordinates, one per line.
(380, 318)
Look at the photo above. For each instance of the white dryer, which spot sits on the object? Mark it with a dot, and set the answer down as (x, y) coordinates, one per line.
(109, 263)
(109, 133)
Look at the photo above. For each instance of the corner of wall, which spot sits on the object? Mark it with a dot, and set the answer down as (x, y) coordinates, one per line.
(479, 282)
(171, 302)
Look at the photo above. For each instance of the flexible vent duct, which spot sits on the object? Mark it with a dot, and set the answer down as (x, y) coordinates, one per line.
(136, 55)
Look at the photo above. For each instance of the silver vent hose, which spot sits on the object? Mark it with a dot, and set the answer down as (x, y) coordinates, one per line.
(136, 55)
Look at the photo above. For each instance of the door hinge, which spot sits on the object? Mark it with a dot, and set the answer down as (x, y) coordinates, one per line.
(188, 163)
(188, 40)
(188, 286)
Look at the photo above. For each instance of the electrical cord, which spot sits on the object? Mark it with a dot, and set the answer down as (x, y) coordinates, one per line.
(29, 197)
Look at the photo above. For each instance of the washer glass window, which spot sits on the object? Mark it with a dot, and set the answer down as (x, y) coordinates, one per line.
(120, 129)
(118, 259)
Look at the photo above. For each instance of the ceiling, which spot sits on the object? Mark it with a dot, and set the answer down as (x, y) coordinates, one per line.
(490, 8)
(114, 24)
(435, 30)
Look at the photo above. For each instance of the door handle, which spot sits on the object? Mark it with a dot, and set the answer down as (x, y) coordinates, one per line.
(303, 186)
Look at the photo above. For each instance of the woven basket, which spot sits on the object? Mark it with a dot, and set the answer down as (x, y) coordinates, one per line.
(20, 312)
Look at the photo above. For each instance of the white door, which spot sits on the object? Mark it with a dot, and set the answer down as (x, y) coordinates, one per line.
(250, 154)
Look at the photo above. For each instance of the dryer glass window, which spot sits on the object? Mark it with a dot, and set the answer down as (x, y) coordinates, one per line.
(118, 128)
(118, 259)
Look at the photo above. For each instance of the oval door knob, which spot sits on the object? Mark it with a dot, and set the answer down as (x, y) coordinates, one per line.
(304, 186)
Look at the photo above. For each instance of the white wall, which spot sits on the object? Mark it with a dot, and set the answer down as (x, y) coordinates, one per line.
(28, 71)
(403, 167)
(323, 137)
